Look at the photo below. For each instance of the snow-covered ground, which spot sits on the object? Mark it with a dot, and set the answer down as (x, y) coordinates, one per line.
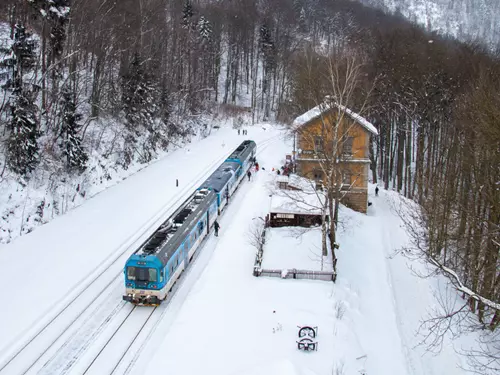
(221, 319)
(288, 248)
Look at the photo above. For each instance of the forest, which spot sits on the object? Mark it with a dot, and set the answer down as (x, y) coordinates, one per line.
(158, 66)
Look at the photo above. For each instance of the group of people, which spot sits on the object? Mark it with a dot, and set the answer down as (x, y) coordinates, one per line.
(283, 170)
(242, 131)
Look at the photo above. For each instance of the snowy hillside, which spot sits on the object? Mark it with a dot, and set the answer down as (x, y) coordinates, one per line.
(228, 320)
(462, 19)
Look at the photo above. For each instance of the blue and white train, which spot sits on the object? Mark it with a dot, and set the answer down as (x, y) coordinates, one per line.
(152, 270)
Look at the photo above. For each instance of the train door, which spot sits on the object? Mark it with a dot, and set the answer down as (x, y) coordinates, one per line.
(201, 226)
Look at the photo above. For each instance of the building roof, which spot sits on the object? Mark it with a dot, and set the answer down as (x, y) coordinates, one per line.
(324, 107)
(296, 202)
(297, 182)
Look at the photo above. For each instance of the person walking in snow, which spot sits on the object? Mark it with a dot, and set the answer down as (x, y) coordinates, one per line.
(249, 174)
(376, 191)
(256, 167)
(216, 227)
(238, 131)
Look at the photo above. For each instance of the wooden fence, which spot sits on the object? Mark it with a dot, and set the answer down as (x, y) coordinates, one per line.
(286, 274)
(296, 274)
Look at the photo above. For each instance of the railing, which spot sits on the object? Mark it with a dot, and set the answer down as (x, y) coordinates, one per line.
(295, 274)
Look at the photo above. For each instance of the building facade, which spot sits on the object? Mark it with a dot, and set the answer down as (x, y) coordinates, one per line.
(330, 137)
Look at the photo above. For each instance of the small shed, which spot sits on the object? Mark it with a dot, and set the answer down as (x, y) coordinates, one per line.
(295, 208)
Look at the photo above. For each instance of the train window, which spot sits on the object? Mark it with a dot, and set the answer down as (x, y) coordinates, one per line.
(153, 275)
(131, 273)
(161, 276)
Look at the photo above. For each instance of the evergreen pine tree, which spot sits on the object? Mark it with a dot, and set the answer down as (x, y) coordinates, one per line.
(138, 96)
(22, 144)
(70, 140)
(21, 57)
(187, 14)
(267, 45)
(205, 29)
(139, 100)
(58, 12)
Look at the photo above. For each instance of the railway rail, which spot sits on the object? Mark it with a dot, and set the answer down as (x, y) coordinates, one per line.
(119, 324)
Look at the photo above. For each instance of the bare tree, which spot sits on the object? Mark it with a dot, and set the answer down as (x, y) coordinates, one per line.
(336, 88)
(451, 316)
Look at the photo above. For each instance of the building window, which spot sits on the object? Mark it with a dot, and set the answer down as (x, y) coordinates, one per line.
(346, 178)
(347, 146)
(318, 143)
(285, 216)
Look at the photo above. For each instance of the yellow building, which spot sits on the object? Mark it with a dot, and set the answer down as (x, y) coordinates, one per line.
(332, 136)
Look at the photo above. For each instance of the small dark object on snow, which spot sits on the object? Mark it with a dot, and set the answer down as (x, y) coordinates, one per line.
(307, 345)
(369, 203)
(249, 174)
(309, 331)
(216, 227)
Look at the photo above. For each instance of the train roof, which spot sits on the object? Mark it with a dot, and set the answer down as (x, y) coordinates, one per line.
(190, 222)
(167, 239)
(221, 176)
(243, 150)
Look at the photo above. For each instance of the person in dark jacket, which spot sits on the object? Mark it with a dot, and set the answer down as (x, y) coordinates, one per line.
(376, 191)
(216, 227)
(249, 174)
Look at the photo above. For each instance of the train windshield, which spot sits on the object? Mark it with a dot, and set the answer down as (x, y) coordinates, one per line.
(142, 274)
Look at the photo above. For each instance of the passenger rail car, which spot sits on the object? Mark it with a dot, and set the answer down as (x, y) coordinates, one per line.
(153, 269)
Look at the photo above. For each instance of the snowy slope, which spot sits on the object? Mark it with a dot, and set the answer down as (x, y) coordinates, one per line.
(462, 19)
(221, 319)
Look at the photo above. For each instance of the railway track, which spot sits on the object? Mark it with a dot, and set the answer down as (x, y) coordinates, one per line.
(71, 335)
(117, 345)
(126, 360)
(23, 356)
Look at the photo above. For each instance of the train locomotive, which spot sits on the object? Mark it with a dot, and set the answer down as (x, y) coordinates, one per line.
(151, 271)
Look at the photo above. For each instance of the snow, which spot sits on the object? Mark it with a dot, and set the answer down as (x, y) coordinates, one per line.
(288, 248)
(323, 107)
(296, 201)
(220, 319)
